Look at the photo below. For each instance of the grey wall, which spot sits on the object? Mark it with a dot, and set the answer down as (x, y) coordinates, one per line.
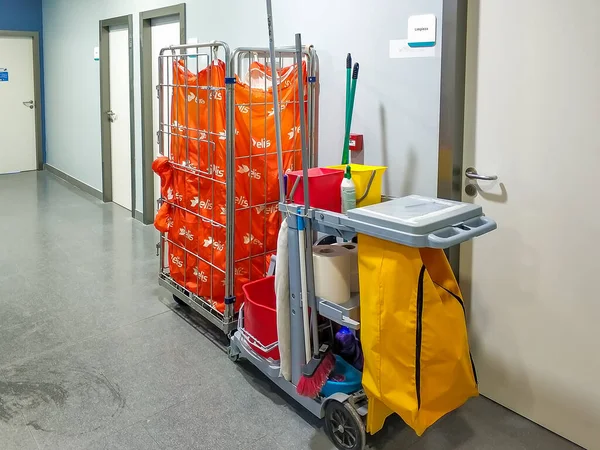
(397, 101)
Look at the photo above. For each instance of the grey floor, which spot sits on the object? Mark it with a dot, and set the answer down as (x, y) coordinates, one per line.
(94, 355)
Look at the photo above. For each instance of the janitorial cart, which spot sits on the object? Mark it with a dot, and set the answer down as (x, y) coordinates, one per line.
(408, 314)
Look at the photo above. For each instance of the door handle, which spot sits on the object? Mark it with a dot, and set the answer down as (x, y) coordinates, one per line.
(472, 174)
(112, 116)
(30, 104)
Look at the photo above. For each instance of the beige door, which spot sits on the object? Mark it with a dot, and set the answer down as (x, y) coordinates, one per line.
(17, 106)
(533, 119)
(120, 131)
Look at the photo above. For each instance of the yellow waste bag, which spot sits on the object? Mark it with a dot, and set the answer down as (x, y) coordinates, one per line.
(413, 333)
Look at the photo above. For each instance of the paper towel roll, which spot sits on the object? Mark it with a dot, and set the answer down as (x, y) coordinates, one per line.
(353, 249)
(332, 266)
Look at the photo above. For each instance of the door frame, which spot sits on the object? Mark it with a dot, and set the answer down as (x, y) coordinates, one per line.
(146, 62)
(37, 89)
(104, 29)
(452, 108)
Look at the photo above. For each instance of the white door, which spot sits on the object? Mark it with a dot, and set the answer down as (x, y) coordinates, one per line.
(120, 131)
(17, 108)
(165, 32)
(532, 118)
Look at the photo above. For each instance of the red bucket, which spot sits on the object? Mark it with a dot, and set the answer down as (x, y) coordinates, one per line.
(260, 317)
(324, 186)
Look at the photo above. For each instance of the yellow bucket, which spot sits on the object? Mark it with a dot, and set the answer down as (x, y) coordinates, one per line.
(368, 181)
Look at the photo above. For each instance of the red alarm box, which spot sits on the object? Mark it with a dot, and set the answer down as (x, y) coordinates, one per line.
(356, 146)
(356, 142)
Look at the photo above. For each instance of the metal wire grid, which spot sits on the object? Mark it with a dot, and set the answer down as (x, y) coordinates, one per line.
(243, 57)
(245, 62)
(201, 144)
(191, 149)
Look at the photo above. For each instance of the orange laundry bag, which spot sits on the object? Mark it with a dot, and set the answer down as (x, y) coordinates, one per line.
(162, 167)
(198, 115)
(197, 135)
(256, 118)
(175, 246)
(257, 160)
(167, 220)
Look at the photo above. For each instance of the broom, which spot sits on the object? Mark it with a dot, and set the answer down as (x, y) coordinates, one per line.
(317, 369)
(316, 372)
(345, 149)
(349, 112)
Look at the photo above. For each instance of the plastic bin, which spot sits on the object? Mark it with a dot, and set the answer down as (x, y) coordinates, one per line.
(361, 175)
(260, 317)
(324, 188)
(352, 379)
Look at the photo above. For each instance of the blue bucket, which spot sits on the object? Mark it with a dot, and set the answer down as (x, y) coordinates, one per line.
(352, 379)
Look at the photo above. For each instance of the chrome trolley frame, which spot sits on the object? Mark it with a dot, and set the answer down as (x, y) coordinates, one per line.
(195, 58)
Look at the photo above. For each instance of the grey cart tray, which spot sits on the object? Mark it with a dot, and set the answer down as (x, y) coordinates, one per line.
(414, 221)
(416, 214)
(347, 314)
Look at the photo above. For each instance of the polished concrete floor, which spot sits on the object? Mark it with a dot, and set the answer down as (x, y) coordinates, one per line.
(94, 355)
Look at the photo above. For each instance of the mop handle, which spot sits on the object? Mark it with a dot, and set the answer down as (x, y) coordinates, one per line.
(308, 254)
(304, 144)
(345, 149)
(304, 285)
(348, 78)
(276, 107)
(353, 95)
(345, 157)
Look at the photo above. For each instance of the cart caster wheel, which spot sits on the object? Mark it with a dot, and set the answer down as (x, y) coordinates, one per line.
(179, 301)
(233, 355)
(344, 426)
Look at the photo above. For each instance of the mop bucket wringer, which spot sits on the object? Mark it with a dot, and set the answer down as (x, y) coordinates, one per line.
(368, 181)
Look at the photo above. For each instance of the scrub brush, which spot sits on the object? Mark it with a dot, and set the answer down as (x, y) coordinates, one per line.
(316, 373)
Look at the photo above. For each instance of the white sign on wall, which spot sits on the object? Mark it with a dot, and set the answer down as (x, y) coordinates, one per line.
(422, 30)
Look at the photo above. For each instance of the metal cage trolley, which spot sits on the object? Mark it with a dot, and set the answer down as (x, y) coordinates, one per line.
(218, 146)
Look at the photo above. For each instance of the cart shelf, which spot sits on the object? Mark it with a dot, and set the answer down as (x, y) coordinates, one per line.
(346, 314)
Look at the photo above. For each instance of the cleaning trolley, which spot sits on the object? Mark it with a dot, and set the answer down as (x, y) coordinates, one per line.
(218, 203)
(408, 315)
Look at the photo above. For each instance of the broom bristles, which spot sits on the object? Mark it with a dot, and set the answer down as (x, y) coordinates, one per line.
(311, 386)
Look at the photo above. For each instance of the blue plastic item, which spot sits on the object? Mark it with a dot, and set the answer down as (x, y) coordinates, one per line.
(352, 379)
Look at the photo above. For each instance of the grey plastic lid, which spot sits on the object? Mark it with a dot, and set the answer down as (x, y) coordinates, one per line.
(415, 214)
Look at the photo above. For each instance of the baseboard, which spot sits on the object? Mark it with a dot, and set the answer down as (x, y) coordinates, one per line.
(75, 182)
(139, 216)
